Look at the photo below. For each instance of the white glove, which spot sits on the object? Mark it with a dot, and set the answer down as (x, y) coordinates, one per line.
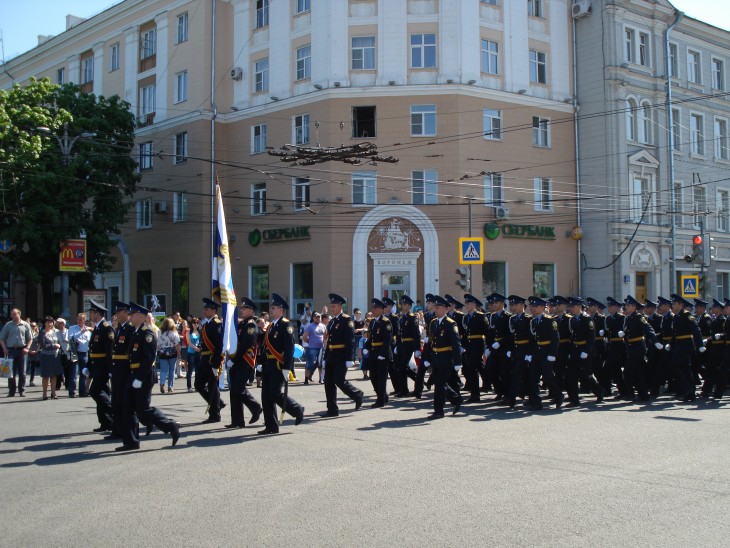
(426, 364)
(621, 333)
(322, 364)
(259, 367)
(551, 358)
(495, 345)
(600, 333)
(718, 336)
(381, 358)
(136, 383)
(705, 341)
(457, 368)
(215, 370)
(395, 350)
(85, 372)
(417, 353)
(658, 345)
(487, 353)
(702, 349)
(667, 348)
(509, 353)
(583, 355)
(365, 352)
(412, 365)
(285, 372)
(347, 364)
(528, 358)
(229, 363)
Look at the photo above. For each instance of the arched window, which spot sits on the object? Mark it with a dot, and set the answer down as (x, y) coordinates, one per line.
(631, 119)
(647, 128)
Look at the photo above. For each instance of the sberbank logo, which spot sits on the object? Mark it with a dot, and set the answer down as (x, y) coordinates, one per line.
(491, 231)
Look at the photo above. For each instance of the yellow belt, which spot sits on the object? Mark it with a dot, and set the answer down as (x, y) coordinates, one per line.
(636, 339)
(683, 337)
(120, 357)
(134, 366)
(376, 344)
(522, 342)
(475, 337)
(206, 353)
(442, 349)
(580, 343)
(102, 355)
(335, 346)
(271, 357)
(543, 343)
(564, 341)
(616, 339)
(408, 340)
(498, 338)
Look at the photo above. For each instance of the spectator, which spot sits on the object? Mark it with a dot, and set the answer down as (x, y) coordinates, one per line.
(363, 358)
(313, 338)
(193, 354)
(15, 338)
(150, 322)
(50, 349)
(418, 307)
(263, 325)
(305, 319)
(34, 357)
(168, 351)
(79, 336)
(359, 328)
(178, 320)
(65, 358)
(182, 330)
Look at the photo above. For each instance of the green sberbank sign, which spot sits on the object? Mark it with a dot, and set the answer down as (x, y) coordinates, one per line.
(255, 237)
(531, 232)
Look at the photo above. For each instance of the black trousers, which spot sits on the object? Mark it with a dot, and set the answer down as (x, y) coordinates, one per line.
(120, 380)
(336, 378)
(634, 371)
(402, 359)
(499, 372)
(206, 385)
(561, 364)
(519, 366)
(712, 370)
(615, 360)
(101, 394)
(681, 356)
(137, 406)
(442, 390)
(580, 372)
(271, 395)
(379, 378)
(240, 394)
(419, 380)
(472, 365)
(541, 368)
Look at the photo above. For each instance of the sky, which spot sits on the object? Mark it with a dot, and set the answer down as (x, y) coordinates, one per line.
(22, 21)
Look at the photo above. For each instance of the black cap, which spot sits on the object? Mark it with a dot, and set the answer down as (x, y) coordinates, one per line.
(680, 300)
(210, 303)
(537, 301)
(716, 304)
(662, 300)
(515, 299)
(650, 304)
(572, 301)
(472, 299)
(612, 302)
(429, 298)
(631, 300)
(405, 299)
(590, 301)
(700, 302)
(387, 301)
(377, 303)
(248, 303)
(93, 305)
(134, 307)
(119, 306)
(556, 300)
(336, 299)
(438, 300)
(453, 302)
(278, 300)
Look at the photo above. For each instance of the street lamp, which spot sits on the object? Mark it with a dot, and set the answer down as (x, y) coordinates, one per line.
(65, 143)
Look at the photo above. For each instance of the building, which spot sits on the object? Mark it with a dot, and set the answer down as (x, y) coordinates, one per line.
(651, 178)
(474, 99)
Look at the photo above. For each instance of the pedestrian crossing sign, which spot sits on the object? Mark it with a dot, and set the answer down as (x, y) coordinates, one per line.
(690, 286)
(471, 250)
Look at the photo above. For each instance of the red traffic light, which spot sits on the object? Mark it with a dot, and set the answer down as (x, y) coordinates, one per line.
(697, 240)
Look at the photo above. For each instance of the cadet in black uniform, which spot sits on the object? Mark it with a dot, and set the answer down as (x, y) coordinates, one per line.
(379, 351)
(595, 311)
(653, 355)
(101, 349)
(704, 322)
(616, 352)
(715, 349)
(279, 341)
(443, 352)
(522, 339)
(724, 368)
(206, 374)
(120, 369)
(141, 379)
(455, 313)
(545, 330)
(565, 346)
(428, 315)
(638, 333)
(243, 362)
(408, 342)
(686, 340)
(662, 372)
(501, 346)
(338, 357)
(475, 333)
(396, 376)
(583, 337)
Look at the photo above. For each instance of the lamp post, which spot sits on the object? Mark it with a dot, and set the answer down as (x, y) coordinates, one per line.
(66, 143)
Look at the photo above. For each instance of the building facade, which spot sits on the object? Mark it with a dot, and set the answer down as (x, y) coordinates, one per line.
(474, 100)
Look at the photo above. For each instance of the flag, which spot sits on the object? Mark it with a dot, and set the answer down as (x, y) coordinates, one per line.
(223, 291)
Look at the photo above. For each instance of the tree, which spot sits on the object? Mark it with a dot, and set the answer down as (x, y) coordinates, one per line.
(47, 196)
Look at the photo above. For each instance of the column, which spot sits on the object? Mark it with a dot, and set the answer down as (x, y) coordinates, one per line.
(280, 50)
(516, 47)
(131, 56)
(241, 31)
(330, 42)
(162, 75)
(99, 68)
(73, 76)
(561, 59)
(392, 40)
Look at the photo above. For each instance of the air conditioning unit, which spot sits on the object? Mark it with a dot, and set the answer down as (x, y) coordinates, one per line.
(581, 8)
(160, 207)
(236, 73)
(501, 212)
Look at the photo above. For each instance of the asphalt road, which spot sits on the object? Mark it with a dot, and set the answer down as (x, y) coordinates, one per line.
(617, 474)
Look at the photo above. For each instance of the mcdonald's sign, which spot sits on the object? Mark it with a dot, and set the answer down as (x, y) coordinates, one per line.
(72, 257)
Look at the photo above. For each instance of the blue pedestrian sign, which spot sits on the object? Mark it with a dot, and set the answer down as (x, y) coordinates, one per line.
(471, 250)
(690, 286)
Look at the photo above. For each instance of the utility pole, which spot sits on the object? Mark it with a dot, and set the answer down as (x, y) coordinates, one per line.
(468, 281)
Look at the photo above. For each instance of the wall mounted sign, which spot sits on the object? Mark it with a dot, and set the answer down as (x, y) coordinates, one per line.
(271, 235)
(533, 232)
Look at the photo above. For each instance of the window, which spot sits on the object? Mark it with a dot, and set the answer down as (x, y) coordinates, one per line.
(492, 124)
(493, 190)
(629, 45)
(148, 100)
(182, 27)
(676, 130)
(696, 134)
(258, 139)
(149, 44)
(144, 284)
(180, 290)
(538, 67)
(723, 285)
(640, 194)
(181, 86)
(258, 199)
(694, 68)
(61, 76)
(540, 132)
(721, 139)
(644, 49)
(262, 75)
(631, 109)
(494, 278)
(144, 214)
(301, 129)
(423, 120)
(181, 148)
(303, 6)
(673, 67)
(543, 191)
(145, 156)
(262, 13)
(301, 192)
(87, 70)
(260, 287)
(423, 50)
(424, 187)
(179, 207)
(489, 2)
(543, 280)
(534, 8)
(114, 58)
(723, 210)
(363, 53)
(646, 124)
(718, 75)
(363, 122)
(303, 286)
(678, 204)
(699, 206)
(363, 188)
(490, 57)
(304, 63)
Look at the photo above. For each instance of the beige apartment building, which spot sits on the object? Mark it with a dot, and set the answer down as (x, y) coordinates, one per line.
(474, 100)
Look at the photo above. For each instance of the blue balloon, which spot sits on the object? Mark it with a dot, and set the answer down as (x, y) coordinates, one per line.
(298, 351)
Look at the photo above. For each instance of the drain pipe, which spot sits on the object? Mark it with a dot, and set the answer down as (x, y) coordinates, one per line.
(212, 141)
(577, 159)
(670, 151)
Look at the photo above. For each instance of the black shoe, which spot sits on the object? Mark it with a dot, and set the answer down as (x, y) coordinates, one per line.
(306, 380)
(149, 428)
(255, 416)
(113, 437)
(376, 404)
(473, 399)
(211, 420)
(31, 383)
(358, 403)
(559, 401)
(22, 395)
(573, 404)
(300, 418)
(599, 398)
(70, 395)
(457, 406)
(434, 416)
(330, 414)
(102, 429)
(223, 404)
(175, 433)
(235, 425)
(266, 432)
(417, 396)
(127, 448)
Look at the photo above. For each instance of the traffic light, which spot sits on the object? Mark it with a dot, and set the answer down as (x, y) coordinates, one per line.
(698, 250)
(463, 280)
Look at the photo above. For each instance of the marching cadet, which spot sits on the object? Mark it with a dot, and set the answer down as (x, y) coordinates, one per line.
(454, 312)
(101, 350)
(595, 311)
(396, 377)
(243, 362)
(408, 342)
(663, 372)
(120, 369)
(519, 351)
(565, 346)
(428, 315)
(443, 352)
(379, 351)
(638, 333)
(583, 337)
(704, 322)
(715, 349)
(475, 332)
(545, 331)
(686, 340)
(338, 357)
(616, 352)
(653, 355)
(139, 387)
(724, 368)
(501, 345)
(206, 374)
(279, 341)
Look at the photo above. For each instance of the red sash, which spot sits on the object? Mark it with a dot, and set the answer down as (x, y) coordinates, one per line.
(208, 343)
(249, 356)
(270, 347)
